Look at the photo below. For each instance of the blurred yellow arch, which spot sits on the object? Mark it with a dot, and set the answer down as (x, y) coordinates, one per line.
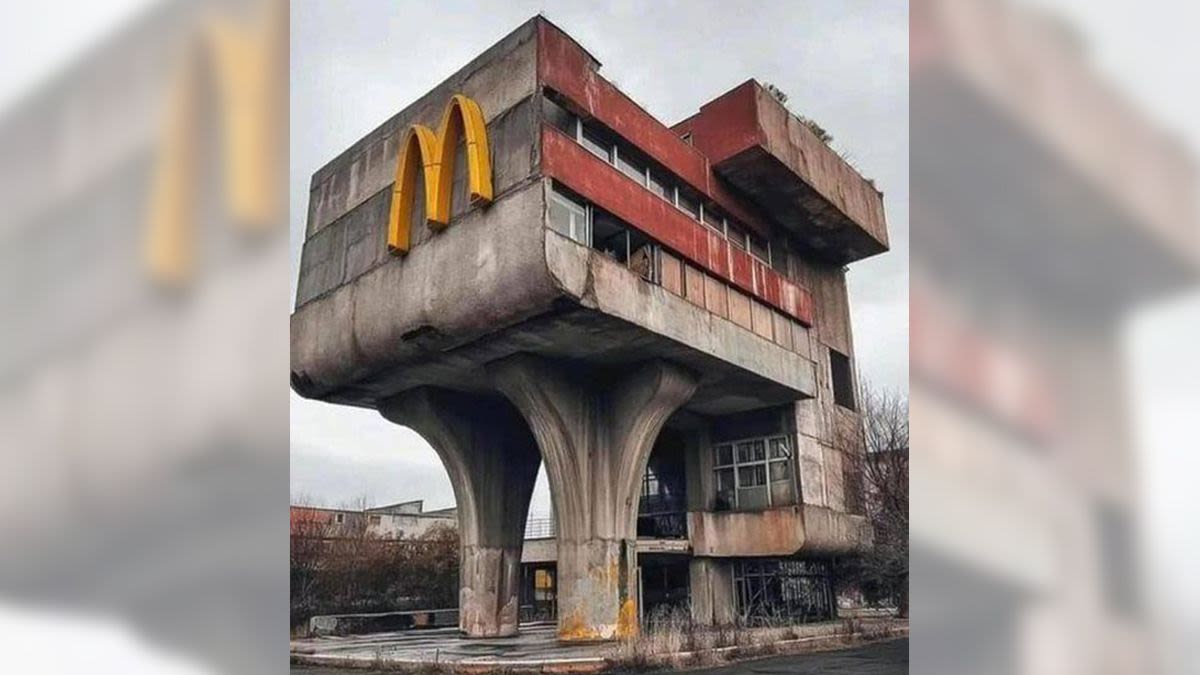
(433, 153)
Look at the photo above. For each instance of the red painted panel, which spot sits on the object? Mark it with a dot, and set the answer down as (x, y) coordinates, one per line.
(602, 184)
(566, 68)
(726, 125)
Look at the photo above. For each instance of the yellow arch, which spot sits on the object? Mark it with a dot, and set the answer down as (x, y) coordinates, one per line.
(434, 153)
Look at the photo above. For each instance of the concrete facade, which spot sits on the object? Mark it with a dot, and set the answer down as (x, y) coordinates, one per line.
(652, 321)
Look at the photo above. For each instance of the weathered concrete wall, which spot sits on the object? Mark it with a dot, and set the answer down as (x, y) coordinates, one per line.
(486, 271)
(608, 286)
(498, 79)
(339, 251)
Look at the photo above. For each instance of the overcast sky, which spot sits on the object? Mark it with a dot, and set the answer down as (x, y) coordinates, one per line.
(356, 64)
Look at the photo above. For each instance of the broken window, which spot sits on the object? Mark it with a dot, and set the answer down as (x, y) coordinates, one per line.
(609, 236)
(662, 507)
(842, 379)
(781, 591)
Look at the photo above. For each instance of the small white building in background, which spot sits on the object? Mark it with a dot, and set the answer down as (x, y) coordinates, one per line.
(407, 520)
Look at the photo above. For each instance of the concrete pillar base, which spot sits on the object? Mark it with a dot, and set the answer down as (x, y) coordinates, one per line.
(492, 460)
(595, 432)
(597, 592)
(489, 591)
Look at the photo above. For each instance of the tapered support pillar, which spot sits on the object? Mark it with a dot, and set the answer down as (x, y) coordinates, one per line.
(595, 435)
(492, 460)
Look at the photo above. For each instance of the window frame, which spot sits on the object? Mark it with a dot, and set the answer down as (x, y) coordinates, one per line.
(768, 459)
(569, 201)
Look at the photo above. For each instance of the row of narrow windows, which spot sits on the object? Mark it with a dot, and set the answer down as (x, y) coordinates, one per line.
(634, 164)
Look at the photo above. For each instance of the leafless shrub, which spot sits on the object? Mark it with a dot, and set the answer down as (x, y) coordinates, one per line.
(341, 568)
(877, 485)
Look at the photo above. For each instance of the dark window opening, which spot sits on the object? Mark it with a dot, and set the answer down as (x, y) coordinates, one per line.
(782, 591)
(610, 237)
(631, 164)
(539, 592)
(759, 248)
(736, 235)
(843, 379)
(597, 143)
(559, 117)
(662, 506)
(688, 202)
(665, 583)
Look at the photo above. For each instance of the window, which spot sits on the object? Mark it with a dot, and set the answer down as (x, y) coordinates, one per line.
(779, 258)
(569, 217)
(631, 166)
(560, 118)
(375, 520)
(714, 219)
(782, 590)
(753, 473)
(339, 518)
(609, 236)
(660, 186)
(759, 248)
(687, 202)
(737, 236)
(842, 379)
(596, 143)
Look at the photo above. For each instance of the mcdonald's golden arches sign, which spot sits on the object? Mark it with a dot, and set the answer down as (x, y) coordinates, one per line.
(433, 154)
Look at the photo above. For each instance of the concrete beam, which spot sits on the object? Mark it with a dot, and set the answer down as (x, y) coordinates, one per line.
(595, 432)
(492, 461)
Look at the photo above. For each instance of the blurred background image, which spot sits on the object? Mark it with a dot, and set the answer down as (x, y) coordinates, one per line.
(145, 296)
(143, 338)
(1054, 319)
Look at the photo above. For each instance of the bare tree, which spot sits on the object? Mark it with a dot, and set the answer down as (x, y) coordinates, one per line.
(880, 472)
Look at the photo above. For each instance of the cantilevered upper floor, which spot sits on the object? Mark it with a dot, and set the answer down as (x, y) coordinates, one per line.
(572, 224)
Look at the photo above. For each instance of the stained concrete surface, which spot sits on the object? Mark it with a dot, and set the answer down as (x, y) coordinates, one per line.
(882, 658)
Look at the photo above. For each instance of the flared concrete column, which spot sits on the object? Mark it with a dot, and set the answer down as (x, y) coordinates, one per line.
(492, 460)
(595, 435)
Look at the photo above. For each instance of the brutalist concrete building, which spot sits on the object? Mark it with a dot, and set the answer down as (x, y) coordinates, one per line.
(525, 266)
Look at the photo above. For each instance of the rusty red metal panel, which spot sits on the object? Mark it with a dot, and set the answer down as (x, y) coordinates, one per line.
(726, 125)
(602, 184)
(565, 67)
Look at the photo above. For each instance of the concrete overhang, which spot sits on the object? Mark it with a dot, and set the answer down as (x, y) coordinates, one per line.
(782, 531)
(498, 283)
(1024, 220)
(764, 151)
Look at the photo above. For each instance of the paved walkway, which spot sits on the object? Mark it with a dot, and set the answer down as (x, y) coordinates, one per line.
(535, 644)
(883, 658)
